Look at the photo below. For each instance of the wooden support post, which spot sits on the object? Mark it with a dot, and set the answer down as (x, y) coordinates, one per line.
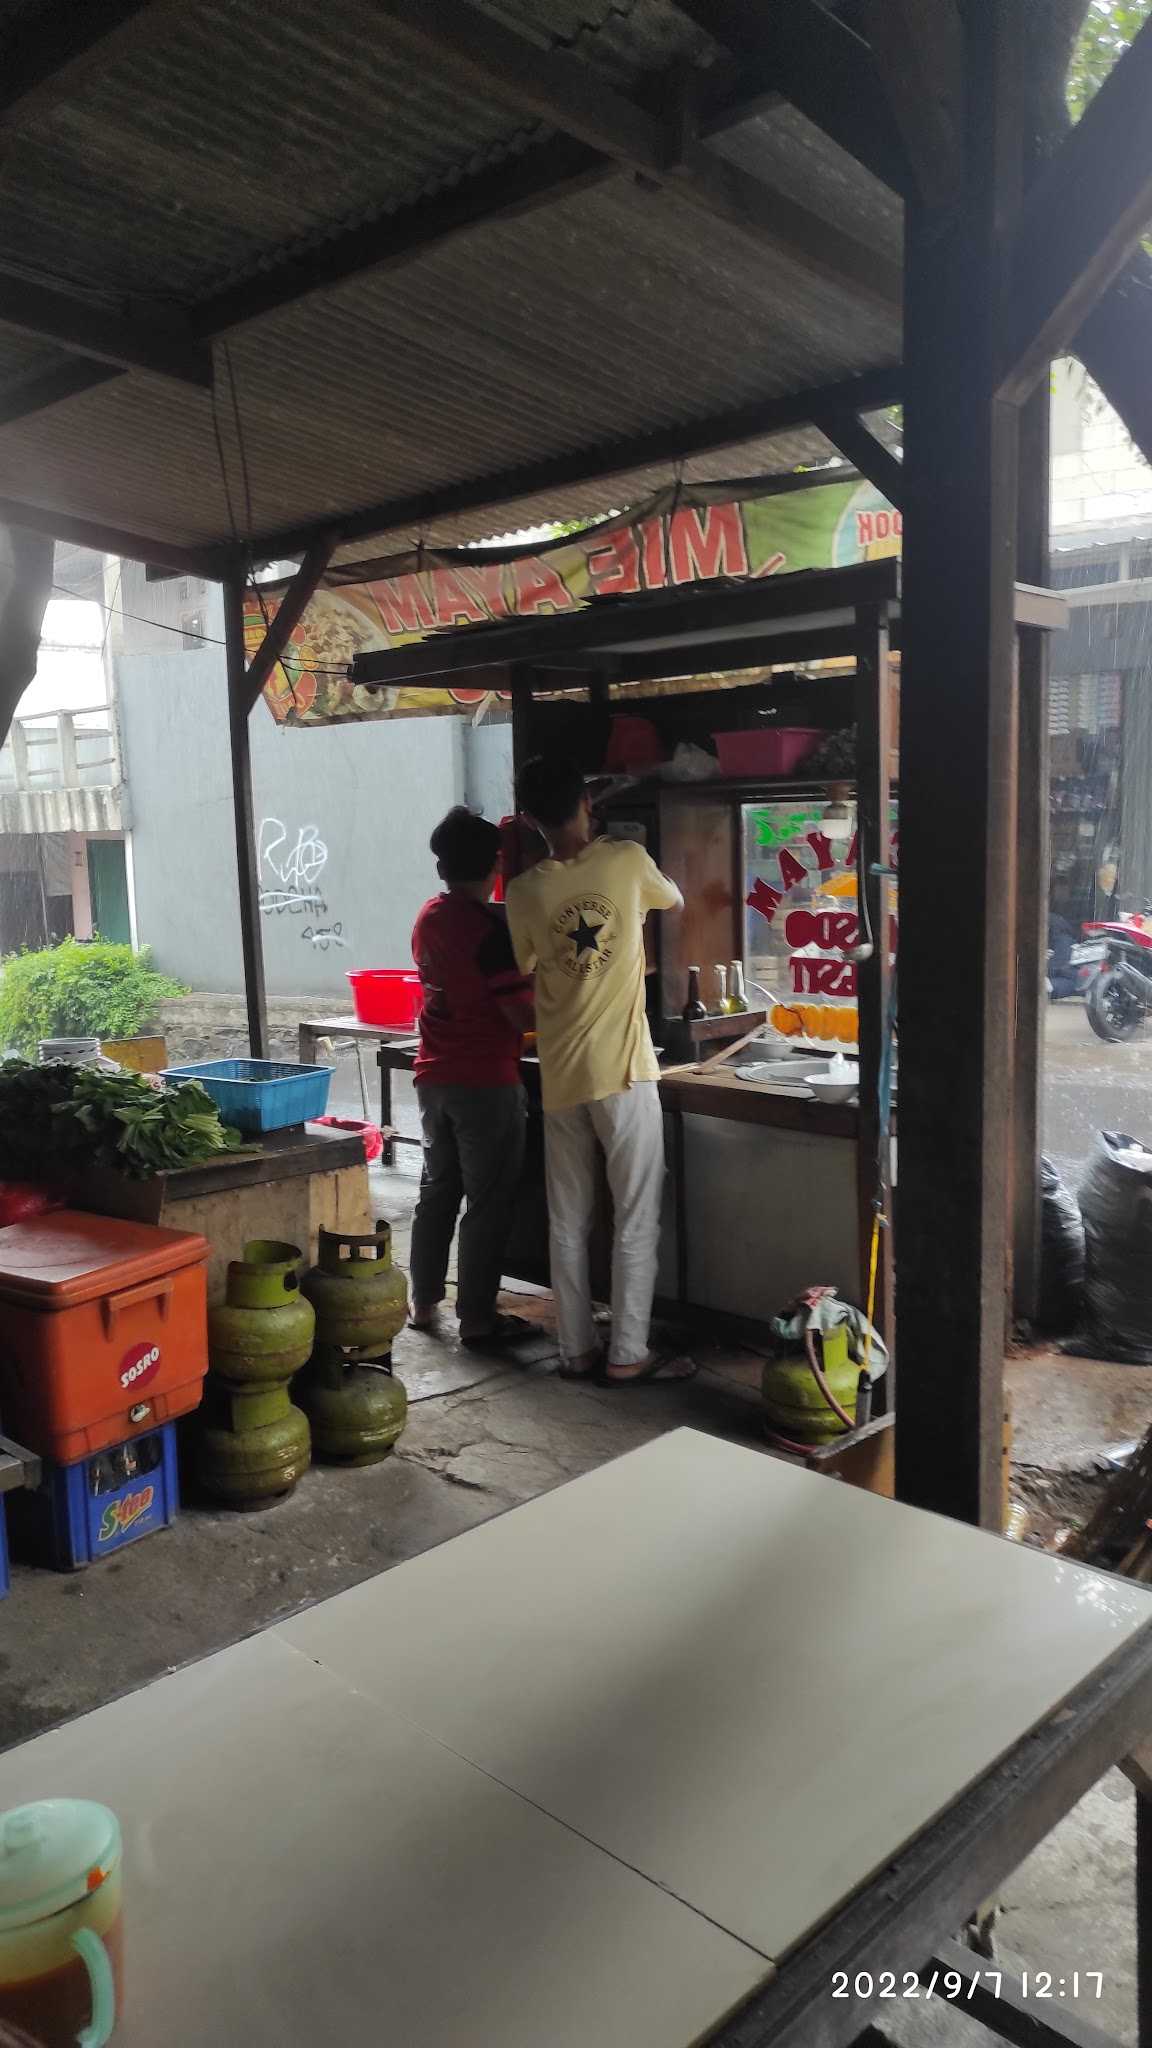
(957, 820)
(1142, 1920)
(873, 976)
(292, 607)
(251, 942)
(520, 679)
(1032, 858)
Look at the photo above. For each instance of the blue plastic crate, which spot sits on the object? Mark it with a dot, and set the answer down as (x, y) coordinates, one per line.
(82, 1512)
(260, 1095)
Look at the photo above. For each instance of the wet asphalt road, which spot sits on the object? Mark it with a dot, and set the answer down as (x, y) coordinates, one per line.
(1090, 1086)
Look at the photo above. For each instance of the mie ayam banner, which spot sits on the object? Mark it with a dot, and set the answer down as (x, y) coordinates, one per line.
(682, 535)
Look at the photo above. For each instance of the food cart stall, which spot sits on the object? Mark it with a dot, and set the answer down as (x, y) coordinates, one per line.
(753, 860)
(793, 874)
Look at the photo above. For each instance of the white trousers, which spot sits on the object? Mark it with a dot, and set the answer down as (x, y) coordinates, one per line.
(629, 1128)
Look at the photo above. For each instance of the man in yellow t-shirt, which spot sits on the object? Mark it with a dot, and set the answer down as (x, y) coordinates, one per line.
(577, 921)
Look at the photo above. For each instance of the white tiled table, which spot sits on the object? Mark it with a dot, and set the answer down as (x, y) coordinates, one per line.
(688, 1732)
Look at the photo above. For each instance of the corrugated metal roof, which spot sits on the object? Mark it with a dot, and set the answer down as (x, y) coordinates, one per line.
(235, 134)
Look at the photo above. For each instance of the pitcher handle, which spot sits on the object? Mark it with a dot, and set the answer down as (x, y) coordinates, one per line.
(102, 1984)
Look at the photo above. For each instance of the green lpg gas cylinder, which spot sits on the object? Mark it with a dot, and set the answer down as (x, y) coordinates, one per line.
(254, 1443)
(253, 1447)
(793, 1402)
(263, 1331)
(356, 1411)
(360, 1298)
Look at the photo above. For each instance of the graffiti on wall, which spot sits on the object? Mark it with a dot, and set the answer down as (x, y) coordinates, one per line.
(291, 871)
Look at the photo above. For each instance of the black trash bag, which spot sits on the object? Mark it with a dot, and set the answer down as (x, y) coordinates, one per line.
(1061, 1255)
(1116, 1205)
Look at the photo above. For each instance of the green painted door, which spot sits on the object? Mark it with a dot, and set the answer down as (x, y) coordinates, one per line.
(108, 882)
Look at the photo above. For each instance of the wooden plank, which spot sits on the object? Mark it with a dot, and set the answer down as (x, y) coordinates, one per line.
(874, 975)
(676, 617)
(864, 1457)
(1032, 860)
(1084, 212)
(1005, 2008)
(112, 540)
(847, 432)
(957, 829)
(247, 875)
(89, 328)
(943, 1875)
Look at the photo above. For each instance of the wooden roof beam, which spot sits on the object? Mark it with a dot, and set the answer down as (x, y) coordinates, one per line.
(47, 51)
(556, 87)
(821, 66)
(1085, 211)
(846, 430)
(292, 607)
(769, 416)
(209, 562)
(919, 53)
(87, 328)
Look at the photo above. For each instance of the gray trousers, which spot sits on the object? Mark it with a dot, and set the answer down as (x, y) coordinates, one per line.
(473, 1152)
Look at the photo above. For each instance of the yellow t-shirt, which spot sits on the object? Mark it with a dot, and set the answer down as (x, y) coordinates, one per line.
(580, 924)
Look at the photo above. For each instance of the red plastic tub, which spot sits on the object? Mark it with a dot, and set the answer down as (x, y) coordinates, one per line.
(775, 751)
(388, 996)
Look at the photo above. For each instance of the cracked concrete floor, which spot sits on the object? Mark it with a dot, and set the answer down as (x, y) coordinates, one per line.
(485, 1433)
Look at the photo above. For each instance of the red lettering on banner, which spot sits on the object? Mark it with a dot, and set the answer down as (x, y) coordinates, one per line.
(614, 564)
(404, 604)
(832, 930)
(539, 589)
(767, 901)
(881, 524)
(488, 586)
(822, 977)
(654, 554)
(455, 604)
(709, 542)
(791, 872)
(822, 848)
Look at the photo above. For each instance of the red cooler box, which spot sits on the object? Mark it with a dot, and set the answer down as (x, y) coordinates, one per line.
(103, 1330)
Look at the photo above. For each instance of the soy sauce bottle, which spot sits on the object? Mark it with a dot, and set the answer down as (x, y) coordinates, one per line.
(694, 1008)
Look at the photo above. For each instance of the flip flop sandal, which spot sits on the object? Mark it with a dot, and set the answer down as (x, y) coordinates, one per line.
(505, 1330)
(652, 1373)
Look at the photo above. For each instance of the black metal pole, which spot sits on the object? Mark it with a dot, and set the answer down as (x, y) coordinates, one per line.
(247, 875)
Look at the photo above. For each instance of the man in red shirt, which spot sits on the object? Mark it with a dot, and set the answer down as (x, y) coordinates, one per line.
(477, 1006)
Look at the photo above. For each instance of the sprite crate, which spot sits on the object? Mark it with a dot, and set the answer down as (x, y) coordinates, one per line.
(83, 1512)
(260, 1095)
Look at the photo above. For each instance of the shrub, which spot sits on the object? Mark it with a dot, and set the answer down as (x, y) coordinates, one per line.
(78, 990)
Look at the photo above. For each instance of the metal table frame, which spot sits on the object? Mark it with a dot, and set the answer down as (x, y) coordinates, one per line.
(905, 1919)
(385, 1036)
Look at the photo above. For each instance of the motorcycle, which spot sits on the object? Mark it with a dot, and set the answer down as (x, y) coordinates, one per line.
(1120, 992)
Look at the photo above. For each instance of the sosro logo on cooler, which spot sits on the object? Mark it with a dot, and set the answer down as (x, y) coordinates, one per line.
(139, 1365)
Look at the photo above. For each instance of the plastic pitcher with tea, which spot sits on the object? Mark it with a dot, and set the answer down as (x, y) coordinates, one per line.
(60, 1935)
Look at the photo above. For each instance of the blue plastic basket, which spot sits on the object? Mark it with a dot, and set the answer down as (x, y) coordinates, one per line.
(260, 1095)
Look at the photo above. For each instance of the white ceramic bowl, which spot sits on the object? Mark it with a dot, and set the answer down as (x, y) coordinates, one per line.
(834, 1088)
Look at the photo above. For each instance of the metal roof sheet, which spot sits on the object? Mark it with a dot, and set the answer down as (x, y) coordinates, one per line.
(236, 134)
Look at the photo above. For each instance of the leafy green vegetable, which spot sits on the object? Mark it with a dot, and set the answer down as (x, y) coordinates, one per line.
(56, 1117)
(76, 990)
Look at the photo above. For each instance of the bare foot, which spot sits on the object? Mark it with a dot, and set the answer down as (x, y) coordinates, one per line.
(423, 1318)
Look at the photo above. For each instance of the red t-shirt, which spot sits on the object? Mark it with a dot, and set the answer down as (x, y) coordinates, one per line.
(467, 968)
